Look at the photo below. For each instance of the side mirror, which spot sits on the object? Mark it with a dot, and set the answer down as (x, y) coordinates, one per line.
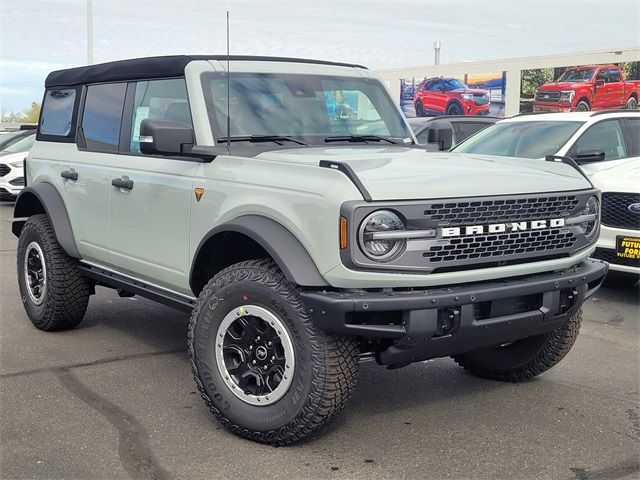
(599, 83)
(165, 137)
(590, 155)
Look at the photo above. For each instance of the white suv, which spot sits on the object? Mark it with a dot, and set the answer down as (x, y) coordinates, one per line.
(607, 147)
(12, 167)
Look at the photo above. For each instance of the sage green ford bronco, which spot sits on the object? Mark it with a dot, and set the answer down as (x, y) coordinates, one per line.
(286, 205)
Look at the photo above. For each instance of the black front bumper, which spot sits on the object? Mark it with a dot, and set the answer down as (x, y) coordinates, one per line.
(428, 323)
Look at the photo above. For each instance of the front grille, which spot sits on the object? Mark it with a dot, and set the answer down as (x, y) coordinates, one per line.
(479, 232)
(17, 182)
(609, 256)
(615, 210)
(4, 169)
(547, 96)
(501, 245)
(496, 211)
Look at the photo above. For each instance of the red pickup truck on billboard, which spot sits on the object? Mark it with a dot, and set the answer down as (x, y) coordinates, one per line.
(587, 88)
(449, 96)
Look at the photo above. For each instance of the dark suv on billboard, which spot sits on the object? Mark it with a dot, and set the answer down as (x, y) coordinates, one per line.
(449, 96)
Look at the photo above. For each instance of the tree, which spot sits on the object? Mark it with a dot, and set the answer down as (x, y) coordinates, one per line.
(32, 114)
(28, 115)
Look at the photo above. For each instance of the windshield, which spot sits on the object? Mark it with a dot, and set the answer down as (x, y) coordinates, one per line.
(22, 145)
(309, 109)
(534, 139)
(580, 75)
(453, 84)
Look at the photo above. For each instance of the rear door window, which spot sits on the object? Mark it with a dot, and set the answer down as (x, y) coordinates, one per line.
(102, 116)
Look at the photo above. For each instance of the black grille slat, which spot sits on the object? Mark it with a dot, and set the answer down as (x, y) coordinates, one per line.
(615, 210)
(17, 182)
(498, 211)
(4, 169)
(504, 244)
(609, 256)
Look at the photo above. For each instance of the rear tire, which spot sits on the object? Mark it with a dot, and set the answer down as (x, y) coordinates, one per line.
(523, 359)
(54, 293)
(238, 315)
(632, 104)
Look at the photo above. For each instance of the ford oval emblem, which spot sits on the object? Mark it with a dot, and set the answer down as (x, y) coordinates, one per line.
(634, 208)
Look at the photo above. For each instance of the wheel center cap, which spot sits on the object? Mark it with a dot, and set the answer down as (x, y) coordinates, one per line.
(261, 353)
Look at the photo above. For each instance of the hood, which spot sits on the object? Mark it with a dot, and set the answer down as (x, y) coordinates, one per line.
(400, 173)
(615, 175)
(558, 85)
(471, 91)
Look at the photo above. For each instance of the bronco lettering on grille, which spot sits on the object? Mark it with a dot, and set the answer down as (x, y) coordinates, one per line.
(501, 227)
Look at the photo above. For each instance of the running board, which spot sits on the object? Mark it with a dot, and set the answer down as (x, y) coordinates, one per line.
(114, 280)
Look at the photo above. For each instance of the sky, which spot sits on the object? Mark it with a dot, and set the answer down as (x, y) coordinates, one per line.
(38, 36)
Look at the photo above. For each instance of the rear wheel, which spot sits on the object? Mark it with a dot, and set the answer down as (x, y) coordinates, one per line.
(53, 292)
(261, 366)
(523, 359)
(632, 104)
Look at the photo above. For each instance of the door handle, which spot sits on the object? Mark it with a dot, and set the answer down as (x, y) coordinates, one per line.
(70, 174)
(122, 182)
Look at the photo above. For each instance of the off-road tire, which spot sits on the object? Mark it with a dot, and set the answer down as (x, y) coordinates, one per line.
(326, 365)
(67, 292)
(523, 359)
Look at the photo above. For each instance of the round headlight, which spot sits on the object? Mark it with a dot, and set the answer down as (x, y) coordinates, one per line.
(590, 208)
(376, 247)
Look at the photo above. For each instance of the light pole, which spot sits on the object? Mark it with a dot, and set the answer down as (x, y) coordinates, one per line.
(436, 48)
(89, 32)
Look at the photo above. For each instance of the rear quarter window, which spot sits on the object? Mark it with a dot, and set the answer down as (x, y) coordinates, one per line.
(58, 114)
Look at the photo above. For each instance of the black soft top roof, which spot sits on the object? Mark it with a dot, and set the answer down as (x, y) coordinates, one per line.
(153, 67)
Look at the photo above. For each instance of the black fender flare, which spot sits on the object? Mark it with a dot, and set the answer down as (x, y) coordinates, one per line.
(44, 198)
(285, 249)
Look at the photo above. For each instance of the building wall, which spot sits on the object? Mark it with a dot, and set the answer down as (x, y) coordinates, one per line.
(512, 66)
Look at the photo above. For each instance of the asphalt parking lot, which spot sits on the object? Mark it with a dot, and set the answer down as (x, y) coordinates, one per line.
(114, 399)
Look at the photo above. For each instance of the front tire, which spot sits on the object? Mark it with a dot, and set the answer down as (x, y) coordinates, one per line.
(583, 106)
(250, 334)
(523, 359)
(454, 108)
(419, 109)
(54, 293)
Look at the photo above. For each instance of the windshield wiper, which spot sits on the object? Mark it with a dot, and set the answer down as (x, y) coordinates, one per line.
(261, 138)
(358, 138)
